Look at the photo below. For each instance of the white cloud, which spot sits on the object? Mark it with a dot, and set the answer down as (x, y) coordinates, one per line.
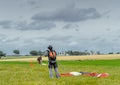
(73, 43)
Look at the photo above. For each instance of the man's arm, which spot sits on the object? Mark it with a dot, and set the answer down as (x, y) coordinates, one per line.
(55, 52)
(46, 53)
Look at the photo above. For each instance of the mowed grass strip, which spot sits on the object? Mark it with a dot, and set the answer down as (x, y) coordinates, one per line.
(82, 57)
(32, 73)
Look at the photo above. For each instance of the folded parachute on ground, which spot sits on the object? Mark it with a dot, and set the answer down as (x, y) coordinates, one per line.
(93, 74)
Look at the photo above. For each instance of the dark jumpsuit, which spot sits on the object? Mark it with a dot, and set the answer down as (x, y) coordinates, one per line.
(52, 63)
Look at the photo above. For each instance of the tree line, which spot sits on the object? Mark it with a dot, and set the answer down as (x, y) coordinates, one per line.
(17, 53)
(69, 52)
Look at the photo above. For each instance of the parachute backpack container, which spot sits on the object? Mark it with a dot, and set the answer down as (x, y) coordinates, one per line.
(52, 54)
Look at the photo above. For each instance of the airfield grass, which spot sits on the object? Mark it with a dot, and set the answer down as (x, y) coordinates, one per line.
(32, 73)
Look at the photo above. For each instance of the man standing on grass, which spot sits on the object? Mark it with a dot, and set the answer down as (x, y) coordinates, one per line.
(39, 59)
(51, 54)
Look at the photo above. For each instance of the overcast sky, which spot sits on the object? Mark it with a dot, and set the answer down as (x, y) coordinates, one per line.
(66, 24)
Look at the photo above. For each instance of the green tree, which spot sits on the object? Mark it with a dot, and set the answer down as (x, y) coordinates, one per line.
(17, 52)
(110, 53)
(98, 52)
(69, 52)
(34, 52)
(2, 54)
(41, 53)
(118, 53)
(92, 52)
(75, 53)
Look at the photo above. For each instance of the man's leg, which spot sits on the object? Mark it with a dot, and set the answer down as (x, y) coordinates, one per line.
(50, 73)
(56, 70)
(50, 70)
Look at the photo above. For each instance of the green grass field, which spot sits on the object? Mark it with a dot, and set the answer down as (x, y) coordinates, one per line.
(32, 73)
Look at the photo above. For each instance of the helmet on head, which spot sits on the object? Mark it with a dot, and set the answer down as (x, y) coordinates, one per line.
(50, 47)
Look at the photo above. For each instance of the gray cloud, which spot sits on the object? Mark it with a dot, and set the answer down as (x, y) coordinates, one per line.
(34, 4)
(118, 36)
(36, 26)
(59, 38)
(23, 25)
(68, 15)
(70, 26)
(103, 40)
(108, 29)
(31, 2)
(6, 24)
(12, 40)
(2, 37)
(96, 38)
